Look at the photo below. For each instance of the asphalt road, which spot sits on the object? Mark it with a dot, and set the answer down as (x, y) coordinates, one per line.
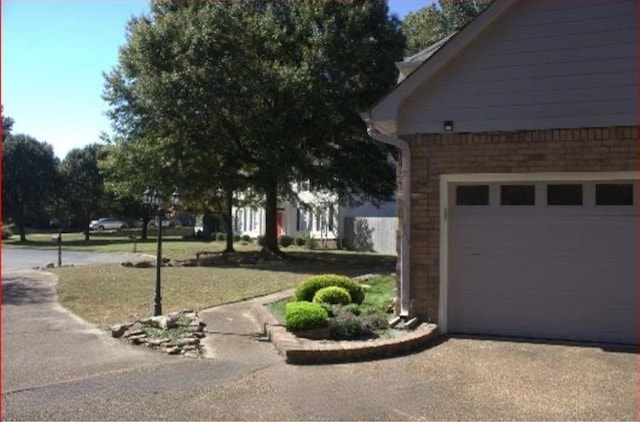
(26, 259)
(57, 367)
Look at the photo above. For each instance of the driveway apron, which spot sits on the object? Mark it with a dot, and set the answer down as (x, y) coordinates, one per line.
(43, 343)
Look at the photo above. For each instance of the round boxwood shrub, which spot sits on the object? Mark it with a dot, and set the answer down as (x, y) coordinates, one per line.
(308, 288)
(246, 238)
(300, 241)
(285, 241)
(260, 240)
(332, 295)
(221, 237)
(305, 316)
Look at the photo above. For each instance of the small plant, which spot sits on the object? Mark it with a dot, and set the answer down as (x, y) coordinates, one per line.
(346, 326)
(260, 240)
(236, 237)
(221, 237)
(305, 316)
(332, 295)
(6, 233)
(300, 241)
(353, 308)
(246, 238)
(307, 289)
(310, 243)
(285, 241)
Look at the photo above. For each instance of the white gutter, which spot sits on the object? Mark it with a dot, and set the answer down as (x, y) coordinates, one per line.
(405, 211)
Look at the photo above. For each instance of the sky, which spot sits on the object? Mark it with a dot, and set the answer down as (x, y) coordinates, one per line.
(54, 53)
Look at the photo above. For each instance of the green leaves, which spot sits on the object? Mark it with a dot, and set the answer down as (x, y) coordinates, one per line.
(430, 24)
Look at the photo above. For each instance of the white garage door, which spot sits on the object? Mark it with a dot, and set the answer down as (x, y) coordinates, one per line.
(544, 260)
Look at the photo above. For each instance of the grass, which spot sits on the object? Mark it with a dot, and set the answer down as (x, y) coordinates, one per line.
(110, 294)
(381, 291)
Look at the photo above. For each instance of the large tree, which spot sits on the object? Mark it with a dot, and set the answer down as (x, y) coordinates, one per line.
(29, 179)
(432, 23)
(7, 124)
(258, 94)
(83, 183)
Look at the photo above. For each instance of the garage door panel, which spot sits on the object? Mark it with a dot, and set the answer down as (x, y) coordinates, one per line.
(570, 274)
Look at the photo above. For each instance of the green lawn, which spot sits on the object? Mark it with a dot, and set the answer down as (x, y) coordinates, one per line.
(173, 245)
(109, 294)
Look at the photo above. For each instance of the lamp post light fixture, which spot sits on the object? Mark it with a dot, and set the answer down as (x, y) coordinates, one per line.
(152, 198)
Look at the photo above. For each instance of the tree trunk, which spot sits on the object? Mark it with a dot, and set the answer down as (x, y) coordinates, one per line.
(23, 235)
(271, 214)
(145, 223)
(228, 219)
(86, 226)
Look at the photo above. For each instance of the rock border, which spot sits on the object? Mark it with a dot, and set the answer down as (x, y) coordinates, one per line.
(189, 344)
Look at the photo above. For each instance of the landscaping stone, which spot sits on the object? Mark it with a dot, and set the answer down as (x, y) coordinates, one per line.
(174, 350)
(192, 354)
(126, 264)
(158, 341)
(144, 264)
(188, 347)
(118, 330)
(135, 332)
(139, 339)
(163, 322)
(50, 265)
(188, 341)
(145, 321)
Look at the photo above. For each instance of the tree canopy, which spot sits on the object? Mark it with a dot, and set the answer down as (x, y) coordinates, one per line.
(432, 23)
(82, 184)
(225, 96)
(29, 179)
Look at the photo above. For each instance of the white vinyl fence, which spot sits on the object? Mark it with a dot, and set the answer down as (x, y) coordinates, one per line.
(371, 234)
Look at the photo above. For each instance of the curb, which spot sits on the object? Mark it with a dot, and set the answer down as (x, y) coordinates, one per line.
(302, 351)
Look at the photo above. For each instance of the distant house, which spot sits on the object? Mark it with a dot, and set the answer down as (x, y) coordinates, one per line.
(313, 213)
(519, 173)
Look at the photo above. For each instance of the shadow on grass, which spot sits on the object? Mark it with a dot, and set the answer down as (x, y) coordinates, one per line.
(350, 264)
(95, 242)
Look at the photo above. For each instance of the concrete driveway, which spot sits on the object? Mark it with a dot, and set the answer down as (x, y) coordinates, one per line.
(56, 367)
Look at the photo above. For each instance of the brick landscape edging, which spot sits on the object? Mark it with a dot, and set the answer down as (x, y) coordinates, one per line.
(303, 351)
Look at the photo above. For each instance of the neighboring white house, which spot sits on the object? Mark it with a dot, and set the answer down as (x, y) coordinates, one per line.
(316, 214)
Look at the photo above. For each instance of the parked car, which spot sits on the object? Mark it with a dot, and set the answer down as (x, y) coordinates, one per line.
(108, 223)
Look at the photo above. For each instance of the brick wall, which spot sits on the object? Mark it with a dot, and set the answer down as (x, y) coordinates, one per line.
(562, 150)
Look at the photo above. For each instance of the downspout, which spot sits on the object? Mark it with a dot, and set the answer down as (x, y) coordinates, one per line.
(405, 212)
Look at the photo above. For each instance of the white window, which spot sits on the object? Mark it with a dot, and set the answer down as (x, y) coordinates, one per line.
(240, 220)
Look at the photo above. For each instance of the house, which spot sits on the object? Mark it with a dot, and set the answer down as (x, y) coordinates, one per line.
(320, 215)
(519, 173)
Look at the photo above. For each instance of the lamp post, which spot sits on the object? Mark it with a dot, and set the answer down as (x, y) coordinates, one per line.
(153, 200)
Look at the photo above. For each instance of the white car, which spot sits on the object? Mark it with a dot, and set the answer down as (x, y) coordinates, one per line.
(107, 224)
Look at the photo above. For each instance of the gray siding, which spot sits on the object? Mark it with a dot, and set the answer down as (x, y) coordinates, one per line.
(371, 234)
(544, 64)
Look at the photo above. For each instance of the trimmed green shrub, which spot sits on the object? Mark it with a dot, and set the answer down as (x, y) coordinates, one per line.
(285, 241)
(332, 295)
(246, 238)
(221, 237)
(305, 316)
(300, 241)
(307, 289)
(260, 240)
(236, 237)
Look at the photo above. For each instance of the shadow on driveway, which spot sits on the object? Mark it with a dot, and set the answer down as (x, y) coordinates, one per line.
(22, 290)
